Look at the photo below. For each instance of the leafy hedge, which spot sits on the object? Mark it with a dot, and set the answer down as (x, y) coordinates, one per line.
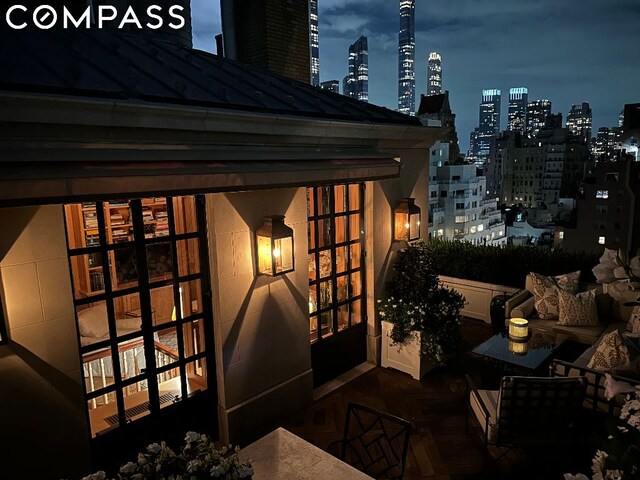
(507, 265)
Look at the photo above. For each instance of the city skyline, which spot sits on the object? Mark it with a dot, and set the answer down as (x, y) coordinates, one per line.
(502, 43)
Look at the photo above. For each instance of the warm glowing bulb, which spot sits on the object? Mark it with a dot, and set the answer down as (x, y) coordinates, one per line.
(406, 225)
(418, 223)
(276, 253)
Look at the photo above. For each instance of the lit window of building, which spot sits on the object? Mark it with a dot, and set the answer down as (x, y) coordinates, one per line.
(601, 240)
(602, 194)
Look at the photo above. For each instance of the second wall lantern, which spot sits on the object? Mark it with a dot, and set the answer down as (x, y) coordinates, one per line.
(406, 220)
(275, 247)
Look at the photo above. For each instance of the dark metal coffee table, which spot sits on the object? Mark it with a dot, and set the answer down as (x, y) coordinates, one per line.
(529, 359)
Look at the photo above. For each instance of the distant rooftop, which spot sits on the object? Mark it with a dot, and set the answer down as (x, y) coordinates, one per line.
(140, 68)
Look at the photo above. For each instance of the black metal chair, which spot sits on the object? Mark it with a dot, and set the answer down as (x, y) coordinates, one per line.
(374, 442)
(529, 411)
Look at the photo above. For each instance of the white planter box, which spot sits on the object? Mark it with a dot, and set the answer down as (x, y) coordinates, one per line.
(405, 357)
(478, 295)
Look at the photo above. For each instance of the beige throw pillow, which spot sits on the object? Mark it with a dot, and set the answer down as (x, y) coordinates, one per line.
(612, 355)
(578, 310)
(633, 325)
(545, 292)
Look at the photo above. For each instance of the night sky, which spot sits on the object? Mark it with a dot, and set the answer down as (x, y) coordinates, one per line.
(567, 51)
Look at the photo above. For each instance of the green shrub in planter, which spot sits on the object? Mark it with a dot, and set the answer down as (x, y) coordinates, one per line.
(508, 265)
(418, 302)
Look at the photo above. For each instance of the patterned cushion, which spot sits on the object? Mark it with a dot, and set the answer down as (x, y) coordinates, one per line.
(545, 292)
(578, 310)
(633, 325)
(614, 356)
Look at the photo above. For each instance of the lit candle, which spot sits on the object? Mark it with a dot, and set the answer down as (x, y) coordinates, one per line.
(518, 348)
(518, 328)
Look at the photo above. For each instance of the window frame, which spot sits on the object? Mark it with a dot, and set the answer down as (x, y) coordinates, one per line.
(4, 338)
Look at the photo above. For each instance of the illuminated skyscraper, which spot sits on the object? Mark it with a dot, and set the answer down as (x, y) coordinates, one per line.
(434, 74)
(537, 112)
(406, 58)
(313, 42)
(356, 83)
(579, 120)
(489, 125)
(518, 100)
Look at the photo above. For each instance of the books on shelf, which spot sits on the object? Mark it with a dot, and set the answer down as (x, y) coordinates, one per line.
(96, 280)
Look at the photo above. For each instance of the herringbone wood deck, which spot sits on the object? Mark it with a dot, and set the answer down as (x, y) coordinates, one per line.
(436, 406)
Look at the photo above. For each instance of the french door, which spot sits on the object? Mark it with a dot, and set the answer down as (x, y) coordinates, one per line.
(142, 298)
(336, 279)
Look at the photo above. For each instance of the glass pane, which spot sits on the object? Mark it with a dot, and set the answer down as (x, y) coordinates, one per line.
(117, 216)
(311, 204)
(132, 360)
(196, 376)
(312, 267)
(128, 314)
(190, 298)
(341, 229)
(159, 261)
(82, 225)
(93, 323)
(355, 255)
(341, 259)
(356, 313)
(103, 413)
(324, 233)
(313, 329)
(169, 388)
(325, 294)
(325, 263)
(88, 275)
(188, 256)
(326, 323)
(343, 317)
(126, 269)
(154, 217)
(323, 206)
(193, 336)
(340, 192)
(354, 197)
(312, 235)
(162, 305)
(313, 302)
(342, 288)
(185, 219)
(136, 405)
(356, 284)
(166, 346)
(97, 369)
(354, 227)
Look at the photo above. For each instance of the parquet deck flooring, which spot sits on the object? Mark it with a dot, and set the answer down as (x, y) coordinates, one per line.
(440, 449)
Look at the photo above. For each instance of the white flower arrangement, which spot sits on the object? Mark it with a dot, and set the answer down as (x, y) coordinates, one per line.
(620, 273)
(198, 459)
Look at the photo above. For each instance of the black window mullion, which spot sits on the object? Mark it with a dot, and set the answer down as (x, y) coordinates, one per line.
(334, 262)
(317, 260)
(176, 298)
(111, 317)
(145, 305)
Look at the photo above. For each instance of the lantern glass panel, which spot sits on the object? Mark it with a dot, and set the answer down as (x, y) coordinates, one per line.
(414, 226)
(402, 226)
(264, 255)
(283, 254)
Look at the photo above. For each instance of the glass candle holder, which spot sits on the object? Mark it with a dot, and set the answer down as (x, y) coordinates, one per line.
(519, 328)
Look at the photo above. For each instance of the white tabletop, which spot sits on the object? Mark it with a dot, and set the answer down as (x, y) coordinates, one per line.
(283, 455)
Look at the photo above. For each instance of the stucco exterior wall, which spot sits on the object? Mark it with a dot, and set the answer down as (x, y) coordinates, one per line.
(42, 424)
(261, 323)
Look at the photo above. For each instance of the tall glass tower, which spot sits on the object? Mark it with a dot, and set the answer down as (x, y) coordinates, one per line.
(434, 74)
(356, 83)
(537, 112)
(314, 43)
(406, 58)
(579, 120)
(489, 125)
(518, 101)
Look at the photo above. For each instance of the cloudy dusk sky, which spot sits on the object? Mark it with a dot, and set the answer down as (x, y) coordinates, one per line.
(568, 51)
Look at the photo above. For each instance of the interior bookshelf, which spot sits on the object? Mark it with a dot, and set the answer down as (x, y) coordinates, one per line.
(83, 231)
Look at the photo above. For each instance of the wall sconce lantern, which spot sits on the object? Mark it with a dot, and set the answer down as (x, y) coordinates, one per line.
(275, 247)
(519, 329)
(407, 221)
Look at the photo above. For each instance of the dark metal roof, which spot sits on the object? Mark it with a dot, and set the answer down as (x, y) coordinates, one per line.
(430, 104)
(140, 68)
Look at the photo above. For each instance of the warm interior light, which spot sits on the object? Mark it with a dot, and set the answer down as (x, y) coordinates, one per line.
(406, 225)
(519, 328)
(275, 246)
(518, 348)
(276, 252)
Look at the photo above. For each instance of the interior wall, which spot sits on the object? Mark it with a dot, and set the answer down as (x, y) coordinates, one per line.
(43, 422)
(261, 323)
